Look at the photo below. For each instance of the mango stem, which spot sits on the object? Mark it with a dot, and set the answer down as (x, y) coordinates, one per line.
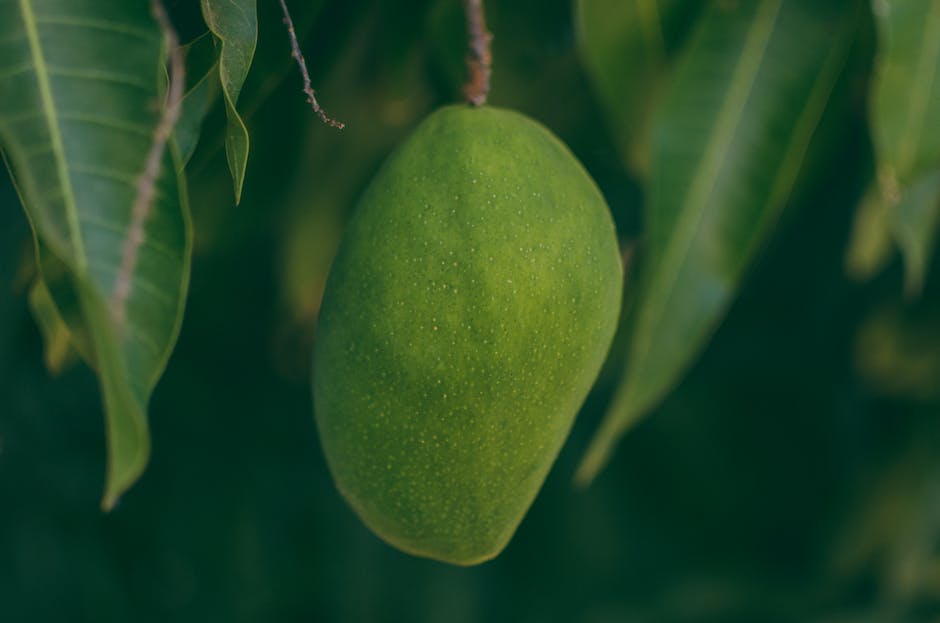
(479, 57)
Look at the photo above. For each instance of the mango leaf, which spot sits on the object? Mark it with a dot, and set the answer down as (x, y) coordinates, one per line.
(626, 47)
(57, 302)
(914, 222)
(235, 26)
(910, 221)
(870, 243)
(54, 305)
(201, 75)
(81, 83)
(905, 124)
(59, 352)
(728, 143)
(906, 91)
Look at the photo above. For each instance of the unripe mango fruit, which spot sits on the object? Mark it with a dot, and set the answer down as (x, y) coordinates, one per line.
(467, 314)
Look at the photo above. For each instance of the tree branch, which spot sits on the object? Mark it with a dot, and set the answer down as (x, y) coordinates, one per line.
(302, 64)
(479, 57)
(146, 183)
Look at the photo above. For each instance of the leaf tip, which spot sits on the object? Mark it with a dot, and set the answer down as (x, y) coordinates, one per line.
(625, 410)
(595, 459)
(238, 181)
(122, 475)
(913, 281)
(109, 501)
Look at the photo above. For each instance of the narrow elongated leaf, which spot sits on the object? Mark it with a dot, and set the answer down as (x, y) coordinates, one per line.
(871, 244)
(201, 75)
(626, 46)
(235, 26)
(59, 351)
(914, 222)
(909, 220)
(906, 123)
(906, 91)
(62, 305)
(727, 146)
(80, 92)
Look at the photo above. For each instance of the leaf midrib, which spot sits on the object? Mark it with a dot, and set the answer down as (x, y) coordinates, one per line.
(742, 83)
(55, 134)
(924, 75)
(623, 410)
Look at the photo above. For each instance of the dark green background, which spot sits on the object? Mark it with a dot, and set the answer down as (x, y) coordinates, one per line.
(791, 476)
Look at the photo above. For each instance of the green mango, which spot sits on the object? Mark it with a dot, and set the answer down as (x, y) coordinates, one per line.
(466, 316)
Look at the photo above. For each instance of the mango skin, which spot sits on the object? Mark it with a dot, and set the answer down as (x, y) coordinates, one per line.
(467, 314)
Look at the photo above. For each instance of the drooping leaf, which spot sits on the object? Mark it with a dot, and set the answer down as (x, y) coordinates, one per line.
(906, 124)
(626, 47)
(906, 90)
(59, 352)
(81, 86)
(54, 281)
(870, 245)
(201, 75)
(914, 221)
(728, 143)
(235, 26)
(910, 221)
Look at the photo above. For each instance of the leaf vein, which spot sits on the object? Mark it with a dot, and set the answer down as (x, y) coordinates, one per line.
(127, 179)
(139, 282)
(102, 76)
(693, 206)
(30, 115)
(106, 122)
(55, 135)
(147, 241)
(96, 24)
(925, 75)
(15, 70)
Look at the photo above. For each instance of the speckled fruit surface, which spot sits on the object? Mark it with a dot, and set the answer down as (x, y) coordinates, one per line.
(469, 309)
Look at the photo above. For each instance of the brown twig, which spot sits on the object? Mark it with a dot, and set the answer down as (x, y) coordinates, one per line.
(479, 57)
(147, 182)
(302, 64)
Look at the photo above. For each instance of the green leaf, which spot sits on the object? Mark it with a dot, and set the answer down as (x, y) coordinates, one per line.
(59, 352)
(626, 47)
(906, 90)
(905, 122)
(914, 221)
(870, 244)
(235, 25)
(80, 91)
(201, 75)
(897, 351)
(57, 299)
(728, 143)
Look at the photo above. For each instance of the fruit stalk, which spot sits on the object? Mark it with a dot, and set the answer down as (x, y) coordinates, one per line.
(479, 57)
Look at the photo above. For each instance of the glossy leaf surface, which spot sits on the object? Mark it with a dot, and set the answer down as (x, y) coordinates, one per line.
(905, 124)
(235, 26)
(727, 146)
(80, 96)
(626, 47)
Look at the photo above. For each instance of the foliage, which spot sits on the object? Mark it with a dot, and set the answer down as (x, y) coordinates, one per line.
(777, 367)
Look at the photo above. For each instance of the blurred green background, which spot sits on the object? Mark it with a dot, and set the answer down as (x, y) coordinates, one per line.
(793, 476)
